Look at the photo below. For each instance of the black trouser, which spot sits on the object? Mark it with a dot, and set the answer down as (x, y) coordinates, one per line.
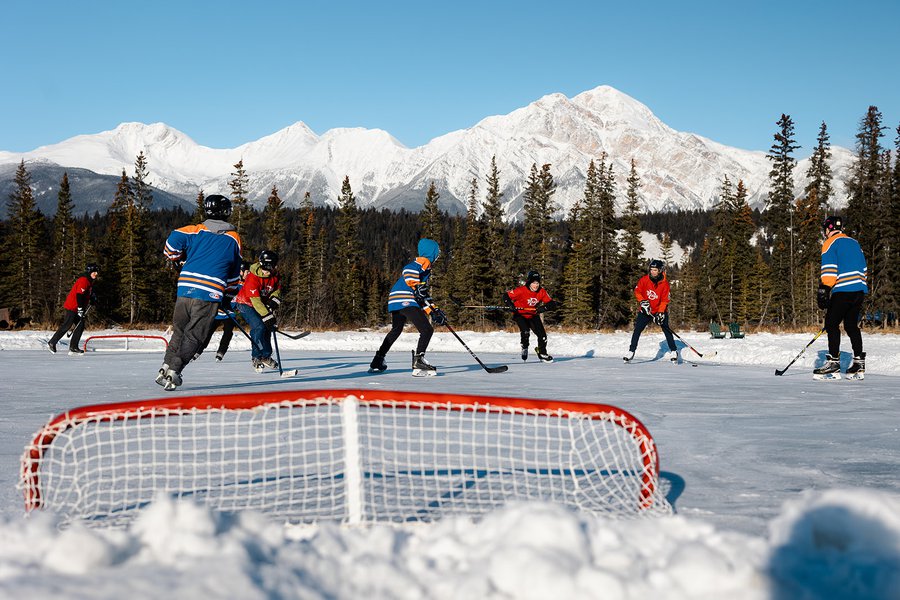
(534, 324)
(227, 334)
(418, 318)
(844, 308)
(70, 318)
(191, 322)
(641, 321)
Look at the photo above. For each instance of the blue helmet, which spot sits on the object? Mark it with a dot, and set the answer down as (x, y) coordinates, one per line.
(429, 249)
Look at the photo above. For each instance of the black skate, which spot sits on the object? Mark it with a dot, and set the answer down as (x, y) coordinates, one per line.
(52, 347)
(630, 357)
(258, 366)
(542, 354)
(829, 371)
(377, 365)
(857, 369)
(269, 362)
(76, 352)
(161, 376)
(173, 380)
(421, 367)
(220, 356)
(524, 352)
(672, 356)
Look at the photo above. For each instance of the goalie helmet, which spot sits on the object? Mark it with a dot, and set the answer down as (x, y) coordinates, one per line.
(268, 260)
(217, 207)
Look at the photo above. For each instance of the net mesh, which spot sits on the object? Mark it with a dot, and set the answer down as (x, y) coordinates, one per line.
(407, 461)
(122, 343)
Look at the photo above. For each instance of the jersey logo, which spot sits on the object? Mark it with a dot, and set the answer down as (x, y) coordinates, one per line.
(651, 295)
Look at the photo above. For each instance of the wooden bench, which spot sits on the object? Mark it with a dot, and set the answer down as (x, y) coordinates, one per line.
(734, 329)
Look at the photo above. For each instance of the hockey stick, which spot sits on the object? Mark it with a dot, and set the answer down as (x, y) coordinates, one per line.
(713, 353)
(499, 369)
(298, 336)
(281, 372)
(460, 304)
(242, 330)
(79, 321)
(782, 371)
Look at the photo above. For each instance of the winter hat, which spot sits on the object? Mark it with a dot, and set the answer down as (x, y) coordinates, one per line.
(429, 249)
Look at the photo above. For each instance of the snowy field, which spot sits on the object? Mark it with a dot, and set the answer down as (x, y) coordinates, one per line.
(783, 487)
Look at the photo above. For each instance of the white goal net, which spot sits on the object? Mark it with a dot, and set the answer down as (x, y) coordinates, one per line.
(125, 342)
(350, 456)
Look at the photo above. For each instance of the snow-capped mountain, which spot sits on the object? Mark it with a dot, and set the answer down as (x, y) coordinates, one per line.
(677, 169)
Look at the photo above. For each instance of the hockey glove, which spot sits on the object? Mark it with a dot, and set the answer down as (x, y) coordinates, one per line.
(645, 307)
(438, 317)
(660, 318)
(81, 312)
(823, 296)
(225, 303)
(273, 302)
(422, 295)
(270, 322)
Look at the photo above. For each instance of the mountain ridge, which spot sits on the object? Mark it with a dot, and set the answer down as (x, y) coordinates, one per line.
(678, 170)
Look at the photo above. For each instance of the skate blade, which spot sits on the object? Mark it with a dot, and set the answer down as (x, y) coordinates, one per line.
(827, 377)
(423, 373)
(855, 376)
(374, 370)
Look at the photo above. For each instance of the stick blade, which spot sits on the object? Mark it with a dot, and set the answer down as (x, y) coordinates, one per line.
(500, 369)
(777, 372)
(289, 373)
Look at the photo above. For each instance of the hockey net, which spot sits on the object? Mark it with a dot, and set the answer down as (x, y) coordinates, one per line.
(349, 456)
(125, 342)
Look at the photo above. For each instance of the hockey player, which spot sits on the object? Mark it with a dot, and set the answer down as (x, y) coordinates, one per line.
(211, 255)
(528, 302)
(409, 300)
(258, 302)
(841, 292)
(79, 299)
(652, 294)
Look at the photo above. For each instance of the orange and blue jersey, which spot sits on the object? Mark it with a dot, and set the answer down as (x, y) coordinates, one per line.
(843, 265)
(212, 255)
(414, 274)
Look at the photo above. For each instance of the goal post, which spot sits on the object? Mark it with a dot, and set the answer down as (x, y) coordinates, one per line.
(350, 456)
(125, 342)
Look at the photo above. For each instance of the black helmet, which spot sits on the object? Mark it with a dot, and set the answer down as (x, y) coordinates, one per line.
(245, 265)
(92, 268)
(217, 207)
(657, 264)
(832, 223)
(532, 277)
(268, 259)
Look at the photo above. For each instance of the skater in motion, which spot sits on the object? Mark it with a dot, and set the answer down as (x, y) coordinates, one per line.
(211, 253)
(410, 300)
(652, 294)
(258, 302)
(528, 303)
(842, 289)
(80, 298)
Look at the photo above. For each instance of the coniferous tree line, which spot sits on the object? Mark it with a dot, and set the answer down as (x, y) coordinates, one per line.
(338, 262)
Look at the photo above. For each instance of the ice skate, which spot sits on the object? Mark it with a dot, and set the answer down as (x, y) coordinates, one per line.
(76, 352)
(524, 353)
(378, 364)
(269, 362)
(172, 381)
(542, 354)
(829, 371)
(857, 369)
(258, 366)
(421, 367)
(51, 347)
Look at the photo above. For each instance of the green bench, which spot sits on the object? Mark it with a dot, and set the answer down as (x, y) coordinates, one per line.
(735, 330)
(715, 332)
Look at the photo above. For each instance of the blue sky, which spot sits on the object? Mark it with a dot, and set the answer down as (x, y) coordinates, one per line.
(226, 73)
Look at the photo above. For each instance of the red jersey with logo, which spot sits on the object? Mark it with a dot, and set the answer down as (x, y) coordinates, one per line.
(80, 294)
(257, 289)
(526, 301)
(657, 293)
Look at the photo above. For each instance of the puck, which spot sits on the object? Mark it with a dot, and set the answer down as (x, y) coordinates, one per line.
(695, 365)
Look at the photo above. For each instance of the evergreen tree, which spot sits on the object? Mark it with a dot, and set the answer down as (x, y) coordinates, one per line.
(432, 217)
(242, 214)
(348, 268)
(303, 290)
(577, 274)
(868, 216)
(472, 281)
(611, 307)
(129, 243)
(819, 172)
(632, 246)
(199, 214)
(779, 217)
(497, 249)
(23, 286)
(273, 223)
(65, 250)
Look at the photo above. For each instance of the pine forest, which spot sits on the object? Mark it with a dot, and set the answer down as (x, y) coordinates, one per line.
(756, 268)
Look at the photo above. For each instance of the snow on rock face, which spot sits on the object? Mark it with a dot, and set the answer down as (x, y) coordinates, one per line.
(677, 170)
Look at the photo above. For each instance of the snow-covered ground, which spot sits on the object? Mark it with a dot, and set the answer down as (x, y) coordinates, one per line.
(783, 487)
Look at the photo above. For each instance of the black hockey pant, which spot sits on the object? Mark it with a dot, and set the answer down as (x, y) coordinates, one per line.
(192, 320)
(70, 318)
(418, 318)
(535, 324)
(844, 308)
(641, 321)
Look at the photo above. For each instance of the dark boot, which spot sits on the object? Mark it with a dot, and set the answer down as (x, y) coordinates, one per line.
(378, 364)
(832, 365)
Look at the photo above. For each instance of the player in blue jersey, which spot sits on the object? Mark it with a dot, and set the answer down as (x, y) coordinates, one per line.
(211, 257)
(841, 292)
